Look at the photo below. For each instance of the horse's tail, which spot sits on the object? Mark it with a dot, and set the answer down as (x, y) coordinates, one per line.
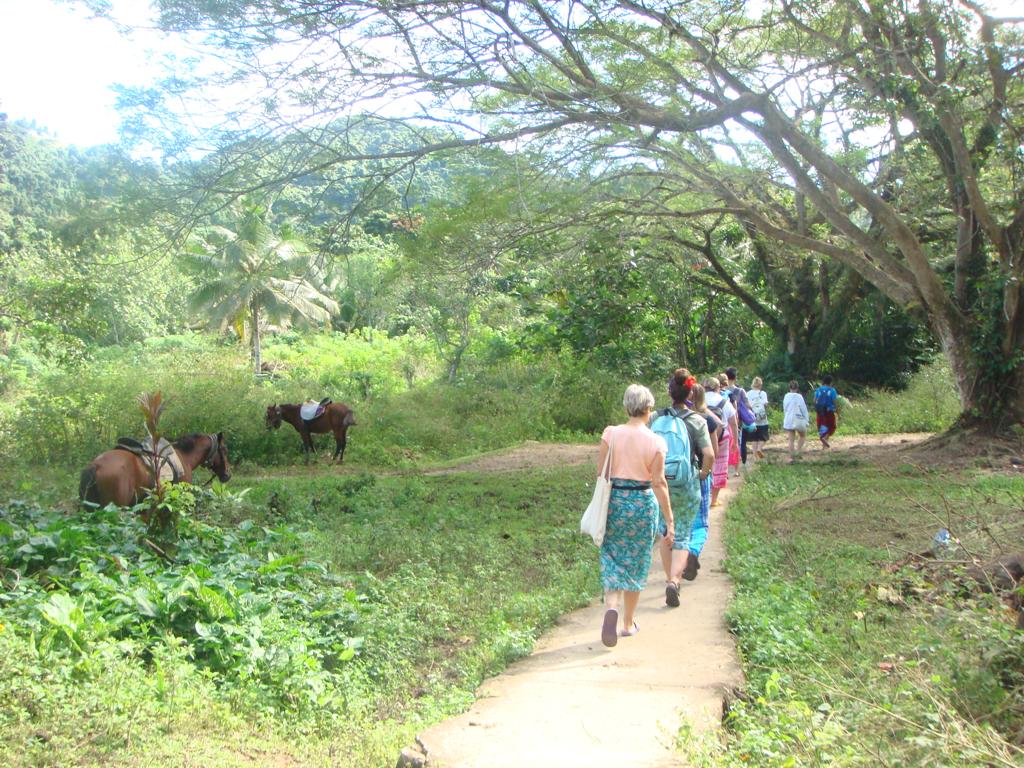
(87, 491)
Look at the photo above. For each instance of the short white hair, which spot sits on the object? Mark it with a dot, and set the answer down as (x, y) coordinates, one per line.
(637, 400)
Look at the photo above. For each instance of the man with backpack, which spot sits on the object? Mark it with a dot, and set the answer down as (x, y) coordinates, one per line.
(688, 462)
(825, 405)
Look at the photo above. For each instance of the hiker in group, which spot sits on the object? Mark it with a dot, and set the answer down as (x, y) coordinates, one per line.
(699, 528)
(757, 399)
(639, 492)
(688, 462)
(719, 406)
(795, 419)
(746, 422)
(825, 406)
(731, 415)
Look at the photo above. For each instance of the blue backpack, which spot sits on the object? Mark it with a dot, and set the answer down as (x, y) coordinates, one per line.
(680, 471)
(824, 399)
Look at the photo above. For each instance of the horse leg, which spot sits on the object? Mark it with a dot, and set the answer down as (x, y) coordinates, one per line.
(307, 443)
(340, 438)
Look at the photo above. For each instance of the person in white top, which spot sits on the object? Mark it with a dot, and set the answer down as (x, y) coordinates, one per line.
(757, 398)
(795, 419)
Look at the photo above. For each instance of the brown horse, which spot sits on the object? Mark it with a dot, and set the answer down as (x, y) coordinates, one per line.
(121, 477)
(336, 418)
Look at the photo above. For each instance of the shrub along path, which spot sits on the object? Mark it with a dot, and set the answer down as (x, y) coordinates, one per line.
(574, 702)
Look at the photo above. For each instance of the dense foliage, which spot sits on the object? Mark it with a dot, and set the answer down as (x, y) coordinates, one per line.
(328, 613)
(813, 147)
(495, 258)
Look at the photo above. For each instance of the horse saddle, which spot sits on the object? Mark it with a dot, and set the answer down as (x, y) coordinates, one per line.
(311, 409)
(169, 466)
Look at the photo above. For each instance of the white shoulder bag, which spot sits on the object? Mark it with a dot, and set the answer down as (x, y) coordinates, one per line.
(596, 517)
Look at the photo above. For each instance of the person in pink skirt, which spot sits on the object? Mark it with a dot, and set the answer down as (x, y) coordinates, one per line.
(718, 405)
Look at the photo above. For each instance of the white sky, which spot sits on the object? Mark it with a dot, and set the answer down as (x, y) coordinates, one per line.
(57, 65)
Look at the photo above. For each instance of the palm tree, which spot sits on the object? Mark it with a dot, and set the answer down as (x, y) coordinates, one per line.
(254, 275)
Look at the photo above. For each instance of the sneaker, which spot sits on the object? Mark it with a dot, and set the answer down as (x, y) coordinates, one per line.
(692, 566)
(671, 595)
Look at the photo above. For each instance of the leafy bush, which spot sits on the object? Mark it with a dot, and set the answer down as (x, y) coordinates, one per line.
(248, 607)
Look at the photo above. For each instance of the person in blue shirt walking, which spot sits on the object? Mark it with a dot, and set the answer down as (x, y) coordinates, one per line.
(825, 405)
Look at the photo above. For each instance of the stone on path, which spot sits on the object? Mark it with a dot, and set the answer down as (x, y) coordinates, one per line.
(573, 702)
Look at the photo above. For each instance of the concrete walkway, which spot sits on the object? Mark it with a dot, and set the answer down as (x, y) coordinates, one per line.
(574, 702)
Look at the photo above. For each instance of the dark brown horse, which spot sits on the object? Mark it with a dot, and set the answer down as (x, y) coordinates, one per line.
(336, 418)
(121, 477)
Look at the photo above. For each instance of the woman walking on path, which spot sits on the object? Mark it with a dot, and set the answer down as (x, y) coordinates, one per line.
(732, 416)
(757, 398)
(795, 418)
(679, 555)
(718, 404)
(639, 491)
(825, 405)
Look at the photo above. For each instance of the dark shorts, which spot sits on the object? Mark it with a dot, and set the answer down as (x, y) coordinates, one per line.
(759, 435)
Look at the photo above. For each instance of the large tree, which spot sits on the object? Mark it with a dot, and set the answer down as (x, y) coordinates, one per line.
(894, 126)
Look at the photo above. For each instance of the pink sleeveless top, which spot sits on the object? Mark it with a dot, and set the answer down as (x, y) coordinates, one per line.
(637, 453)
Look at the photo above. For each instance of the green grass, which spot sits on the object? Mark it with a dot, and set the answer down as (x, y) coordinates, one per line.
(442, 581)
(849, 664)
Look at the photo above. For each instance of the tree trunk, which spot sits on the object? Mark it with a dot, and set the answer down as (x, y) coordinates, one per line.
(991, 391)
(454, 362)
(257, 357)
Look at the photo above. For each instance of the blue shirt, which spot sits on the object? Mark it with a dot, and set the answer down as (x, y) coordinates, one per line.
(825, 398)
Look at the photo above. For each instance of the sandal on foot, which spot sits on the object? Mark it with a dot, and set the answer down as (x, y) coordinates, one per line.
(692, 566)
(671, 595)
(608, 634)
(629, 632)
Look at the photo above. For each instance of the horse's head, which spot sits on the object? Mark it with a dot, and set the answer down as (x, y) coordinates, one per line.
(273, 416)
(217, 460)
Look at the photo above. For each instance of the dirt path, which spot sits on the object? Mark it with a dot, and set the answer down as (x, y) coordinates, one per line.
(859, 447)
(529, 455)
(534, 455)
(574, 702)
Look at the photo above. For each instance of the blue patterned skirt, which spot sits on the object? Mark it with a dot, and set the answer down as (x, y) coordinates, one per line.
(628, 539)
